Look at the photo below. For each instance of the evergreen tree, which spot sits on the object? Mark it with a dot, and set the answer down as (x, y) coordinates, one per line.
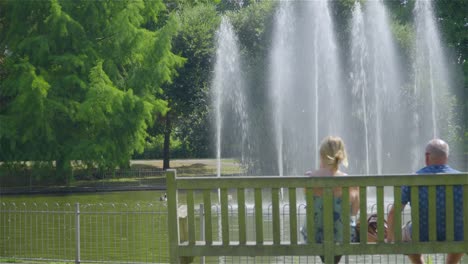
(81, 80)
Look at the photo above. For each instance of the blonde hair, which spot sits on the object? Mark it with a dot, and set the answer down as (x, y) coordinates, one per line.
(332, 152)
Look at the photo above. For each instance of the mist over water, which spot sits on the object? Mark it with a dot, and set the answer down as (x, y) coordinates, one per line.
(385, 110)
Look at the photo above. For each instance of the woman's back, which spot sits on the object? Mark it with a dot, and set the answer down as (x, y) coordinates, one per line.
(332, 154)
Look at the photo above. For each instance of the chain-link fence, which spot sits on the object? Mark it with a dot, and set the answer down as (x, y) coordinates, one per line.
(127, 233)
(111, 232)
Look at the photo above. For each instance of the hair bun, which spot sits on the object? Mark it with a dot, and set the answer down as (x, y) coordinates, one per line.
(333, 152)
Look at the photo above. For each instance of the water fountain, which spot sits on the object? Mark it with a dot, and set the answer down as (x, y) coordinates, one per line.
(376, 83)
(281, 68)
(433, 114)
(305, 76)
(229, 94)
(359, 89)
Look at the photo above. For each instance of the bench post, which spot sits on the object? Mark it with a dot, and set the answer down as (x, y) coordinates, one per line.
(183, 231)
(172, 218)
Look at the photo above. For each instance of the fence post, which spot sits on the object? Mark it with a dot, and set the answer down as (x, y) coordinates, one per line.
(77, 224)
(202, 229)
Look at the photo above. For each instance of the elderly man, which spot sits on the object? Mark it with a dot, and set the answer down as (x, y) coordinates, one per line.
(437, 152)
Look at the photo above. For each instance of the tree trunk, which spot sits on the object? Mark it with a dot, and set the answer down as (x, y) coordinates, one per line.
(167, 142)
(63, 171)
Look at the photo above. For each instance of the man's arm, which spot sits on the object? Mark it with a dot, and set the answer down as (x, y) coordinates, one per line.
(391, 221)
(354, 199)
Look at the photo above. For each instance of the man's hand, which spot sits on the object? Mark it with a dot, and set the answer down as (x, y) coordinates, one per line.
(390, 221)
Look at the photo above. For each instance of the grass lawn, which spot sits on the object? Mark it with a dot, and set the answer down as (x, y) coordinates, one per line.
(142, 173)
(193, 167)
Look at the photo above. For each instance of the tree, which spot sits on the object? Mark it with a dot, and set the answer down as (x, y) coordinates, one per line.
(187, 94)
(454, 28)
(83, 79)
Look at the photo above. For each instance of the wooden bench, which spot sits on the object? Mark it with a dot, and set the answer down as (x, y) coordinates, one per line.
(268, 190)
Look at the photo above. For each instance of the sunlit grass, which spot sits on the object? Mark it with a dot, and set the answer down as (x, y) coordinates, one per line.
(195, 167)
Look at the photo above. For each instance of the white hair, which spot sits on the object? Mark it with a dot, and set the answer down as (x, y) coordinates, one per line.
(438, 148)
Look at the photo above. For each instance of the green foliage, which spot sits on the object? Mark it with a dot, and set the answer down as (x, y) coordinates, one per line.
(187, 95)
(404, 35)
(253, 26)
(83, 78)
(454, 25)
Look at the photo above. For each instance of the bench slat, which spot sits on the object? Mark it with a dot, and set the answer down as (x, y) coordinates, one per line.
(258, 216)
(269, 249)
(432, 213)
(200, 183)
(241, 216)
(292, 216)
(415, 214)
(397, 213)
(276, 215)
(345, 215)
(310, 217)
(191, 217)
(328, 224)
(363, 214)
(224, 216)
(208, 217)
(449, 213)
(380, 214)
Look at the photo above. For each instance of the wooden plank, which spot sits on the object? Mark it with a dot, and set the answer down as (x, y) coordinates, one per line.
(345, 215)
(276, 215)
(292, 216)
(380, 214)
(191, 217)
(241, 216)
(172, 219)
(268, 249)
(258, 216)
(363, 214)
(432, 212)
(397, 213)
(449, 213)
(208, 217)
(304, 182)
(328, 225)
(415, 214)
(224, 216)
(310, 217)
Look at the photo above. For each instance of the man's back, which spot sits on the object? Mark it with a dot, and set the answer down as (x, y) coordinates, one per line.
(440, 205)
